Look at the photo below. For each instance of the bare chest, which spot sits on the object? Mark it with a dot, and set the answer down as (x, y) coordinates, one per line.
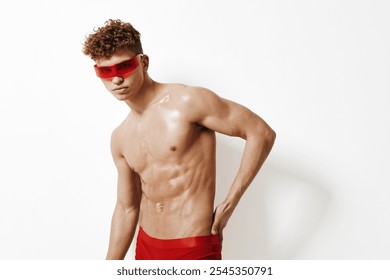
(162, 137)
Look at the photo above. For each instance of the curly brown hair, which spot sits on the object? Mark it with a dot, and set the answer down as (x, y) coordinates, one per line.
(113, 36)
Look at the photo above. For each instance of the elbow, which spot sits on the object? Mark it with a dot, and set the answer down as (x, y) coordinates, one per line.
(127, 209)
(266, 135)
(269, 136)
(261, 133)
(132, 211)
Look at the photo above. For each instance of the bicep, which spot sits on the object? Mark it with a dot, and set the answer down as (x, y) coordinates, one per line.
(128, 182)
(225, 116)
(128, 186)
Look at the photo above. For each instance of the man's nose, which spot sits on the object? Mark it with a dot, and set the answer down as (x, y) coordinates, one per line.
(117, 80)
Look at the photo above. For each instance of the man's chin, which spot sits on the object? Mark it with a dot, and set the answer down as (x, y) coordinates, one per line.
(121, 97)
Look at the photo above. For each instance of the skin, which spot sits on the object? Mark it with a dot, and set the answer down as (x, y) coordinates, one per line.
(164, 152)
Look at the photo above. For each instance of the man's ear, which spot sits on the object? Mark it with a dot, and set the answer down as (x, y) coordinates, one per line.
(145, 62)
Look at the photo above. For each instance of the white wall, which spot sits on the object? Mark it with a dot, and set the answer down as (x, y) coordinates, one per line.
(317, 71)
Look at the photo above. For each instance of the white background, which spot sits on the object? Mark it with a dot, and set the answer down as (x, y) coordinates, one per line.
(316, 71)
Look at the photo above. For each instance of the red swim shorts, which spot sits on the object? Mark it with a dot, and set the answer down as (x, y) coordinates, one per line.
(190, 248)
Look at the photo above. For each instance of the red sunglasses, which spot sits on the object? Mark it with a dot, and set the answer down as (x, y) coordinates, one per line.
(120, 69)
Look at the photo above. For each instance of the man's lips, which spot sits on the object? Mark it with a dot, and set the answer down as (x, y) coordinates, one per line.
(119, 88)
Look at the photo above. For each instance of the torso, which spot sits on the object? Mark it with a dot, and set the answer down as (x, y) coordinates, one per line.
(175, 160)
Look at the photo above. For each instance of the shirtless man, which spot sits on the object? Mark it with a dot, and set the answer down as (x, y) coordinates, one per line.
(165, 154)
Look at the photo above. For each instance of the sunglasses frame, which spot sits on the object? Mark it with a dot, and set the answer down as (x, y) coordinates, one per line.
(117, 70)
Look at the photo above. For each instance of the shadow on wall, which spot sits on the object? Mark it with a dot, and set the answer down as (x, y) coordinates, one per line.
(280, 212)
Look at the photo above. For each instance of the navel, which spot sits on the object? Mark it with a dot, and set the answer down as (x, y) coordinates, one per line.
(173, 148)
(159, 207)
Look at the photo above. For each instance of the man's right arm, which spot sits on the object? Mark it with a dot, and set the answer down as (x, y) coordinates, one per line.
(125, 217)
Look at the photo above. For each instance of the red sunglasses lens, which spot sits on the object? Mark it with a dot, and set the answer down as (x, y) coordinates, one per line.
(119, 69)
(104, 72)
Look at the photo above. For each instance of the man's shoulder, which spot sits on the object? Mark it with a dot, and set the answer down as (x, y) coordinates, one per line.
(188, 96)
(190, 101)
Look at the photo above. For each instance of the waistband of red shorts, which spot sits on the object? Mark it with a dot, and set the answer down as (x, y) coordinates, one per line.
(187, 242)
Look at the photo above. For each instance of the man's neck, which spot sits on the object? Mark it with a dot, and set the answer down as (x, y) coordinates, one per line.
(144, 97)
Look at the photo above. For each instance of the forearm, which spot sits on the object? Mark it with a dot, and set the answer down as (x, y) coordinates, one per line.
(257, 148)
(123, 227)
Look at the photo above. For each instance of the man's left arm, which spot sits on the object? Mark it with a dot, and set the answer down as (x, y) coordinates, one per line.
(227, 117)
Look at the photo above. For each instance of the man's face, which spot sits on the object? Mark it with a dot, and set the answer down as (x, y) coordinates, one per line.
(122, 73)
